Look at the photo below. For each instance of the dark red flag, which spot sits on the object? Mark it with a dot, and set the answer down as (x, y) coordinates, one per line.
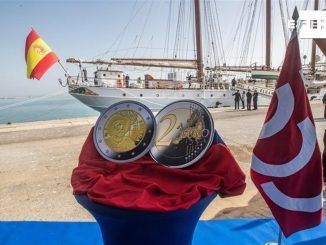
(286, 163)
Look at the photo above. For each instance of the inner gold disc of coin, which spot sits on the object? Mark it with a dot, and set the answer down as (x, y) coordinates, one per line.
(124, 131)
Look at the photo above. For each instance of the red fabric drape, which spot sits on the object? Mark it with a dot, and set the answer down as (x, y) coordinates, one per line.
(146, 185)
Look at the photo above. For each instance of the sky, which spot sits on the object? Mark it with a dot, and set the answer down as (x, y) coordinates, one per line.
(86, 29)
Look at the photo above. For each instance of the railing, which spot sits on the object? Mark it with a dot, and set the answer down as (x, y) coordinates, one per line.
(212, 84)
(260, 90)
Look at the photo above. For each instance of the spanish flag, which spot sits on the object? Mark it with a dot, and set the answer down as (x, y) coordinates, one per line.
(38, 55)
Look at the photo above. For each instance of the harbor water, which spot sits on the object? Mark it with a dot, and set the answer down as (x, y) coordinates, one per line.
(29, 109)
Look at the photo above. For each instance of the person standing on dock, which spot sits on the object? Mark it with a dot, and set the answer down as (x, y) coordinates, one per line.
(324, 158)
(243, 96)
(233, 82)
(127, 81)
(189, 80)
(255, 99)
(249, 97)
(324, 102)
(237, 97)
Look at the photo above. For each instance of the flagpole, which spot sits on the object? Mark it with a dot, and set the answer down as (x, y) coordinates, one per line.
(65, 70)
(279, 240)
(295, 17)
(279, 236)
(274, 178)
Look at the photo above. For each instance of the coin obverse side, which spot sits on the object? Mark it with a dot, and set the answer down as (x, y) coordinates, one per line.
(185, 131)
(124, 132)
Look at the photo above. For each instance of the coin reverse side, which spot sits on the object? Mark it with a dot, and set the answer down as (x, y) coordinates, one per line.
(185, 131)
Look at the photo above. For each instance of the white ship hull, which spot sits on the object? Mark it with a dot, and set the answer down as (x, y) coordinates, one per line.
(99, 98)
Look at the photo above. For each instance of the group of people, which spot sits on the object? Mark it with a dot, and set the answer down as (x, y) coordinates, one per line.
(248, 96)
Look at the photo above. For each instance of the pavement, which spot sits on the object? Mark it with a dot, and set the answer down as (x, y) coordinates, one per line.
(37, 158)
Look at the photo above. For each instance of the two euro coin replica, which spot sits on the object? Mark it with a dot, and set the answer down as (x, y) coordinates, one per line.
(177, 137)
(185, 131)
(125, 132)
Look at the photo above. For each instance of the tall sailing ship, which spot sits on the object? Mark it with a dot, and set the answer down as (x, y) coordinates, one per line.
(210, 86)
(110, 85)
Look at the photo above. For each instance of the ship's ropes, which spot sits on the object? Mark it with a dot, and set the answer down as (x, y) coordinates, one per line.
(219, 40)
(143, 28)
(120, 36)
(244, 36)
(180, 31)
(256, 32)
(184, 38)
(191, 24)
(248, 33)
(284, 24)
(235, 38)
(167, 35)
(287, 9)
(305, 5)
(213, 37)
(181, 45)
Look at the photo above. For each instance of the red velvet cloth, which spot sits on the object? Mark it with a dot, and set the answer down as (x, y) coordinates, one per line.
(147, 185)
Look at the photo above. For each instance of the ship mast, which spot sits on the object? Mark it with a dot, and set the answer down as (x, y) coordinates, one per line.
(200, 71)
(268, 34)
(186, 63)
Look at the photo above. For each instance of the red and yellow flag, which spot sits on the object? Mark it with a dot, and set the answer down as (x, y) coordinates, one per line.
(38, 55)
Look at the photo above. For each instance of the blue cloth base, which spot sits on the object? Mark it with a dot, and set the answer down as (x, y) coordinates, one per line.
(125, 227)
(213, 232)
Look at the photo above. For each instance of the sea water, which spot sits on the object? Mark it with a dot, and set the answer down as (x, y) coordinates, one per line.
(42, 108)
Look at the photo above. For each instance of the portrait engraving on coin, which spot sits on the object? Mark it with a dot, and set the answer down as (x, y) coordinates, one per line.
(124, 130)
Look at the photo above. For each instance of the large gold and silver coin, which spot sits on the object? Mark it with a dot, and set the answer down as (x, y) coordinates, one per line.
(125, 131)
(185, 131)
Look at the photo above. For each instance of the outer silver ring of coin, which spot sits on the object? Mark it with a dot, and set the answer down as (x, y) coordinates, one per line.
(141, 148)
(172, 129)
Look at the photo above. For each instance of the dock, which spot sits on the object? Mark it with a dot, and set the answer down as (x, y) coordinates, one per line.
(37, 159)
